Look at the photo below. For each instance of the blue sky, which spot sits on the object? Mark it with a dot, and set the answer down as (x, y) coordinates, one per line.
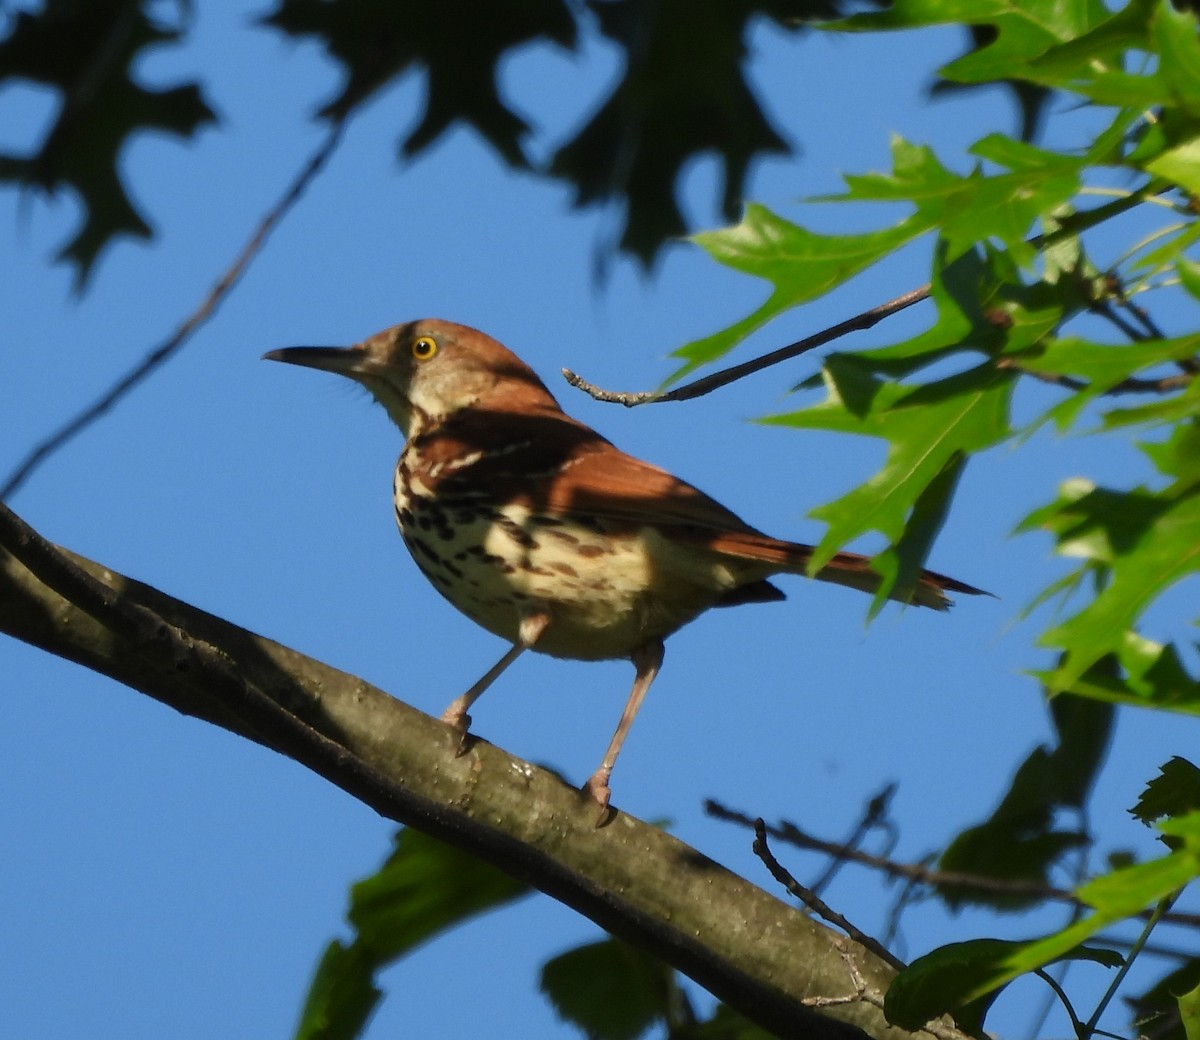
(162, 878)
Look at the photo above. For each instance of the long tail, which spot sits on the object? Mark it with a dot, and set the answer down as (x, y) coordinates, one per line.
(854, 570)
(846, 568)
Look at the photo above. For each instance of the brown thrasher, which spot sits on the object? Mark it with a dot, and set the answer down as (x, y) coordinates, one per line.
(541, 531)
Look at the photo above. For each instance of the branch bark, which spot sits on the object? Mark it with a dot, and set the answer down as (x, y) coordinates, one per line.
(762, 957)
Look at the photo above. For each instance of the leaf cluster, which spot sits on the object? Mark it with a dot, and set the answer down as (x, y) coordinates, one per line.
(1022, 307)
(87, 52)
(683, 91)
(606, 988)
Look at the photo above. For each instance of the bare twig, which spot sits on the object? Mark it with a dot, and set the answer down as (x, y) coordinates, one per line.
(707, 384)
(874, 816)
(1132, 385)
(815, 903)
(864, 994)
(165, 350)
(1076, 1025)
(1105, 310)
(919, 873)
(1071, 226)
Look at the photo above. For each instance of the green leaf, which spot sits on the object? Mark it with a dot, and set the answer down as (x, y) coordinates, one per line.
(977, 207)
(983, 308)
(1114, 897)
(800, 264)
(1100, 366)
(1153, 26)
(1023, 30)
(1181, 406)
(341, 996)
(1180, 165)
(609, 990)
(1174, 792)
(941, 981)
(927, 427)
(1178, 47)
(1179, 455)
(424, 888)
(87, 52)
(1148, 542)
(1104, 365)
(964, 293)
(1189, 1013)
(1189, 275)
(900, 565)
(1150, 675)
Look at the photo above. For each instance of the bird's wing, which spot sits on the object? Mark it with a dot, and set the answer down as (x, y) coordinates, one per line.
(559, 467)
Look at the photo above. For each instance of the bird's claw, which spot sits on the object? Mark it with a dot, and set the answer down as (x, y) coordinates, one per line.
(597, 790)
(461, 724)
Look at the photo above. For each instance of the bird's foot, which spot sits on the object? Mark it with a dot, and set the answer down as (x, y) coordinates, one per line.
(598, 791)
(459, 721)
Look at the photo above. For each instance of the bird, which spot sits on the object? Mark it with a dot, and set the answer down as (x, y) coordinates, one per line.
(546, 534)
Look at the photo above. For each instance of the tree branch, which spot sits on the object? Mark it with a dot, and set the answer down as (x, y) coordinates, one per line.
(632, 879)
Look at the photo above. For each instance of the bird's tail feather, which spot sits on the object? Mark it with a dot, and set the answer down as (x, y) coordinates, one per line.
(845, 568)
(930, 589)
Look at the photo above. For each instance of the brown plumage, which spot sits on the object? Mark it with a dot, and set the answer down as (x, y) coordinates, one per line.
(544, 532)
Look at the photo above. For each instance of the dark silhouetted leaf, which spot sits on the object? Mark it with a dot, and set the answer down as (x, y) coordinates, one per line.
(683, 93)
(458, 47)
(86, 51)
(1175, 791)
(945, 980)
(1020, 842)
(424, 888)
(609, 989)
(1158, 1010)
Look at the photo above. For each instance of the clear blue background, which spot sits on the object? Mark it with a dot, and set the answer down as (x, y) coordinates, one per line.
(163, 878)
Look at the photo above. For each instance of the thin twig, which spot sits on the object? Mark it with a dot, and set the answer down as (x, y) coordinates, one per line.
(706, 384)
(1159, 913)
(1105, 310)
(919, 872)
(875, 813)
(863, 994)
(1132, 385)
(1071, 226)
(1052, 982)
(162, 353)
(814, 902)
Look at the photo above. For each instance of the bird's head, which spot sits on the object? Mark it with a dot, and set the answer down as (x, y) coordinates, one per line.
(424, 371)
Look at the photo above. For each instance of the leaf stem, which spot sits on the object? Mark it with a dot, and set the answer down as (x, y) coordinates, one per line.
(1155, 916)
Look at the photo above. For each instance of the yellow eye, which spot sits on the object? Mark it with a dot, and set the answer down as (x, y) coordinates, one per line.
(424, 347)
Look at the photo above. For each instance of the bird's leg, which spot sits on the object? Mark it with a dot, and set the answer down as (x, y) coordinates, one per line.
(647, 660)
(530, 631)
